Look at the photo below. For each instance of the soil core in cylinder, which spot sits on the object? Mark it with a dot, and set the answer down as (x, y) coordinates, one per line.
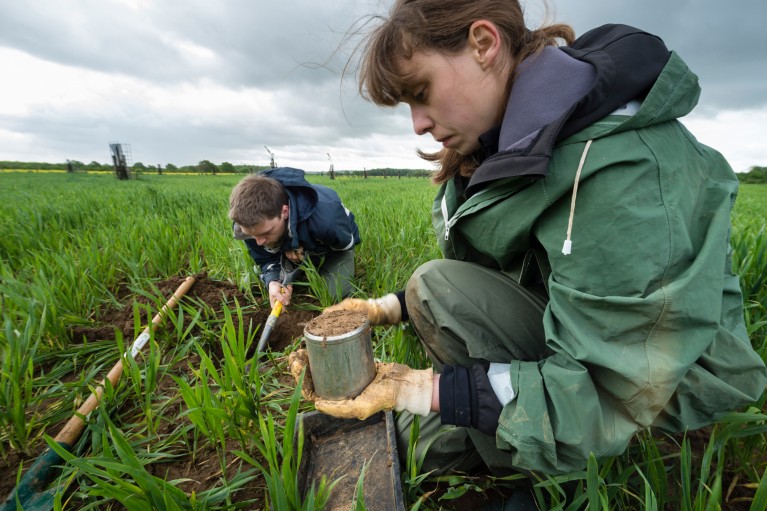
(331, 324)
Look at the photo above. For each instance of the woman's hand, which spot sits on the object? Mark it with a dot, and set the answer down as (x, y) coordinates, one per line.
(395, 387)
(380, 311)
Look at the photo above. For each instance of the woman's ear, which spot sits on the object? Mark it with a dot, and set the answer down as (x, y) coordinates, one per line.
(485, 42)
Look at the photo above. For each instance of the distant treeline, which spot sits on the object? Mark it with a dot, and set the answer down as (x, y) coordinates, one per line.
(755, 175)
(203, 167)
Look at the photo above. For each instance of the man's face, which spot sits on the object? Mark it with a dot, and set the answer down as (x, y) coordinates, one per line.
(271, 232)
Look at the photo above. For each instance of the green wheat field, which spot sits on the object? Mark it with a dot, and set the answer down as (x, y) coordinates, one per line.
(196, 423)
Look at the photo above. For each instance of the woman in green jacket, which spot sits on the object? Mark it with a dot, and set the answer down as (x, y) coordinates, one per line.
(586, 290)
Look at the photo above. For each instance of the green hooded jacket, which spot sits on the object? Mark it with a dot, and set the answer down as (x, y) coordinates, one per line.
(644, 325)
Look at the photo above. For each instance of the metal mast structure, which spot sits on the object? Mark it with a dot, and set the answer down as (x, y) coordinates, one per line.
(272, 165)
(331, 171)
(121, 156)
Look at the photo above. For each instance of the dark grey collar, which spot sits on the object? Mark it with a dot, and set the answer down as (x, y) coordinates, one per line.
(546, 86)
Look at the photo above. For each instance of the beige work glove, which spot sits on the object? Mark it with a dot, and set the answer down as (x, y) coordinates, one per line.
(380, 311)
(395, 387)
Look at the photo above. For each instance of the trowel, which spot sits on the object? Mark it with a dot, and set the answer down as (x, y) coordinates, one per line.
(276, 310)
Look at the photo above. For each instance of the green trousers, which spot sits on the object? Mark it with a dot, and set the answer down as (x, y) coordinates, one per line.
(337, 268)
(464, 313)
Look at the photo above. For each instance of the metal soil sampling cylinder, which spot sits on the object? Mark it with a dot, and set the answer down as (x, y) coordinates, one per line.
(340, 352)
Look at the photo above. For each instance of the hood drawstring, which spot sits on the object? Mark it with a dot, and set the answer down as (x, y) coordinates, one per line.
(568, 245)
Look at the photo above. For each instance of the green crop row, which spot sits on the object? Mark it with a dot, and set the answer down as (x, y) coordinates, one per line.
(73, 245)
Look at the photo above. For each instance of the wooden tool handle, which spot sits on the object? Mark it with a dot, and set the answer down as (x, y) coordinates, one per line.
(74, 428)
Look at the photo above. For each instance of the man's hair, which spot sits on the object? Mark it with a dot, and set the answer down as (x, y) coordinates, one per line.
(255, 199)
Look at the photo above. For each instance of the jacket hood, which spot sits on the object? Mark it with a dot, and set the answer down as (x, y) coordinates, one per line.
(600, 72)
(303, 197)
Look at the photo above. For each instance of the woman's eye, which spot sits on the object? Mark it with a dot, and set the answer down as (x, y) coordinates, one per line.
(420, 96)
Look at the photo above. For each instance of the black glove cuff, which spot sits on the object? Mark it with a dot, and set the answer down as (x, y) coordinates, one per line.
(489, 408)
(455, 396)
(467, 399)
(401, 297)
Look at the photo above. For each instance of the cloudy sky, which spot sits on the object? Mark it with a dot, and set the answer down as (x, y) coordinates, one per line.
(180, 81)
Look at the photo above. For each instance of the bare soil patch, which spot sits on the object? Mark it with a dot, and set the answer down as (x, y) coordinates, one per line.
(203, 471)
(214, 294)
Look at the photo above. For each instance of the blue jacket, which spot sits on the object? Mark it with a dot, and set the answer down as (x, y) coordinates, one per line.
(318, 222)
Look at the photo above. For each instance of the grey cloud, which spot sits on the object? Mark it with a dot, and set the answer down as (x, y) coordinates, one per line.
(253, 43)
(291, 47)
(92, 35)
(722, 42)
(294, 43)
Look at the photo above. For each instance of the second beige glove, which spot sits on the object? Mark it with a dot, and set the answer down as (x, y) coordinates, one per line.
(395, 387)
(380, 311)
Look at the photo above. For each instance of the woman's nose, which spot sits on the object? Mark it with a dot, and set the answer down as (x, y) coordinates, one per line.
(422, 124)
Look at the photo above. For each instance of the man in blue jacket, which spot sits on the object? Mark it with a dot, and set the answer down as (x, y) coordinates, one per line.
(283, 219)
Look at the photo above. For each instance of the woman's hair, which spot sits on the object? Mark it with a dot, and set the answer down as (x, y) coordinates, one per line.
(443, 25)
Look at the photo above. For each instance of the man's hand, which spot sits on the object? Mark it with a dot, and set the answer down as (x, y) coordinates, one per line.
(380, 311)
(395, 387)
(278, 293)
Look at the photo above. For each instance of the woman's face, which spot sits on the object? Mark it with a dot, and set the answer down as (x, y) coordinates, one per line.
(455, 98)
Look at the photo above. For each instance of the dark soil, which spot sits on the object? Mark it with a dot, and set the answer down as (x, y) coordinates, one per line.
(331, 324)
(204, 471)
(214, 294)
(336, 447)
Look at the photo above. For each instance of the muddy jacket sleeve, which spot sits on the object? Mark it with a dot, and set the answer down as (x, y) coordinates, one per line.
(644, 325)
(645, 319)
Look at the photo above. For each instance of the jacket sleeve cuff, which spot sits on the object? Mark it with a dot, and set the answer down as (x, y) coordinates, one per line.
(270, 273)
